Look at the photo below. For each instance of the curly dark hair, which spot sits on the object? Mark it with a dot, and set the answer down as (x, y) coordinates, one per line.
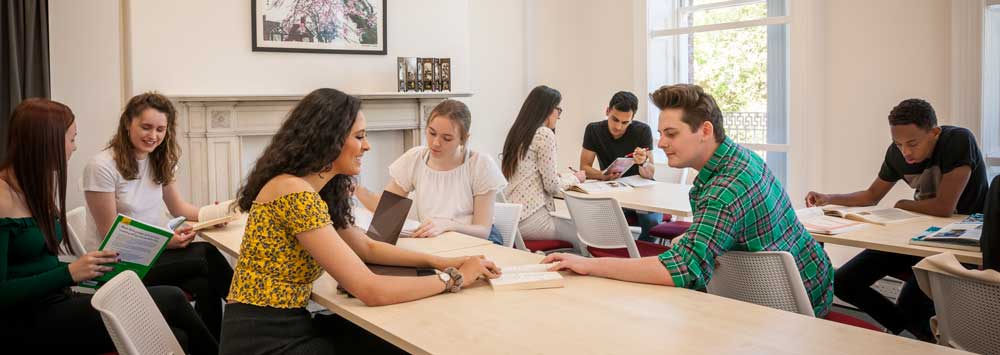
(913, 111)
(308, 142)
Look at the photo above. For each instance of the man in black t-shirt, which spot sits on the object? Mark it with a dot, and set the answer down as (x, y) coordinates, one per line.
(944, 166)
(616, 137)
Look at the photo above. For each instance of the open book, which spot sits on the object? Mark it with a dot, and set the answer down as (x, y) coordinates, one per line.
(590, 187)
(138, 244)
(963, 235)
(212, 215)
(871, 214)
(637, 181)
(816, 221)
(527, 277)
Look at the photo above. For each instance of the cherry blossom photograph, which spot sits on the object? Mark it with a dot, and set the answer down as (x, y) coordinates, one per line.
(319, 26)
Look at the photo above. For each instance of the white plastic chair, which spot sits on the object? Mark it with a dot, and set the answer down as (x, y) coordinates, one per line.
(600, 223)
(766, 278)
(967, 312)
(76, 224)
(506, 217)
(132, 319)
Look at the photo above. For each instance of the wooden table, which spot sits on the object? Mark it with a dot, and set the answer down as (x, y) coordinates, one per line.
(593, 316)
(228, 240)
(661, 197)
(895, 238)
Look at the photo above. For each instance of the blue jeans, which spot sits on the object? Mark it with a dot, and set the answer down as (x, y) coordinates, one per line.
(495, 236)
(647, 220)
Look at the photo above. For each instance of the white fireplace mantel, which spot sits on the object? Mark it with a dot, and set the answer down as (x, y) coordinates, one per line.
(222, 135)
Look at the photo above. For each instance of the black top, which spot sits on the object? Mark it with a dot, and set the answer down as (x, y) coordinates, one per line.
(955, 147)
(989, 242)
(598, 139)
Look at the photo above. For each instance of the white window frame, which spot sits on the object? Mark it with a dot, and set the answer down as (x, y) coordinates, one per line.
(777, 80)
(990, 136)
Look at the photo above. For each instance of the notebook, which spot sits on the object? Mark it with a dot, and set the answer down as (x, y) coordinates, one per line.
(963, 235)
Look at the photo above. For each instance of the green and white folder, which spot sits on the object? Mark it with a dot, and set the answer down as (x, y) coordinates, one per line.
(138, 244)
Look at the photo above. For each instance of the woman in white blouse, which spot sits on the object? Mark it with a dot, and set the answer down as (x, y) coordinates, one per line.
(529, 162)
(454, 186)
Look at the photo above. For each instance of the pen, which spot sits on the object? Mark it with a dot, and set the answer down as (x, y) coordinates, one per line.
(571, 169)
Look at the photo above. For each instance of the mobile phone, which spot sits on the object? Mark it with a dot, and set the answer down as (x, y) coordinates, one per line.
(175, 223)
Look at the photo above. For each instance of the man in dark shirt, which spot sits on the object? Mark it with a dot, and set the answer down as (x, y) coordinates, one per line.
(617, 137)
(944, 166)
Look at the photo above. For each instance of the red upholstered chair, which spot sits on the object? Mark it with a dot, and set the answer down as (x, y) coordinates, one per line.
(602, 228)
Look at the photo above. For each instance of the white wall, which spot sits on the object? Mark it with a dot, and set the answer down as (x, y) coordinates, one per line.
(891, 51)
(204, 47)
(584, 49)
(194, 47)
(85, 62)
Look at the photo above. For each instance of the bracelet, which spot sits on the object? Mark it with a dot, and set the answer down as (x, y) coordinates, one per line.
(456, 279)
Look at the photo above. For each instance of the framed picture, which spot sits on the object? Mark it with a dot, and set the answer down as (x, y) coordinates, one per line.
(319, 26)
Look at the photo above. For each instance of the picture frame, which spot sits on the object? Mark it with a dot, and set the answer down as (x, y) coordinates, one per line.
(319, 26)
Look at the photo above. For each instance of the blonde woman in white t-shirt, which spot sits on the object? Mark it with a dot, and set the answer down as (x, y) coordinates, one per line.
(134, 176)
(529, 163)
(455, 187)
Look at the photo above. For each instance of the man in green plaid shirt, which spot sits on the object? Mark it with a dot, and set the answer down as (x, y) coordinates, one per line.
(736, 201)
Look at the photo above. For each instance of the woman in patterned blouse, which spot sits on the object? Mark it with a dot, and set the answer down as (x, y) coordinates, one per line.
(529, 163)
(300, 224)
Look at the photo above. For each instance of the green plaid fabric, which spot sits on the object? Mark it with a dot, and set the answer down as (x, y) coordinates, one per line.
(739, 205)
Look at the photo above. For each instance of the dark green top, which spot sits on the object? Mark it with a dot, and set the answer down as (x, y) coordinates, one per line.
(28, 269)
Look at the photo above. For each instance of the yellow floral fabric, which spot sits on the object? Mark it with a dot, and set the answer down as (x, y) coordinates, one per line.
(274, 270)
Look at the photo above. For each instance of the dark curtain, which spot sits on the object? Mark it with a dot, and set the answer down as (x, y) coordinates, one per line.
(24, 56)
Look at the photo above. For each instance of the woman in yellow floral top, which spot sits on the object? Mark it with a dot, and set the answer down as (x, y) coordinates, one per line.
(300, 224)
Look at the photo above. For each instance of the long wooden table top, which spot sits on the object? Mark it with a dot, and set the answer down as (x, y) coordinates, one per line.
(661, 197)
(593, 315)
(590, 315)
(228, 239)
(895, 238)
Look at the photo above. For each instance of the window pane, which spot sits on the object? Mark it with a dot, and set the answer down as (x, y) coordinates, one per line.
(744, 69)
(669, 14)
(725, 14)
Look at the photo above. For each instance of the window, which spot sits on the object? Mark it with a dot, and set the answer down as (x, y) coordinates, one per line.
(738, 51)
(991, 88)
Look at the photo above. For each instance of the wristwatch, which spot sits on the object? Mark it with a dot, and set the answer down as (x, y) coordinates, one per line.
(452, 279)
(446, 278)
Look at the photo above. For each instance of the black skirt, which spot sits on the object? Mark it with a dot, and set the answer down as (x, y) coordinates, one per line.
(249, 330)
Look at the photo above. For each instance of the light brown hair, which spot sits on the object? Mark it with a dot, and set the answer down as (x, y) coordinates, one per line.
(457, 112)
(164, 158)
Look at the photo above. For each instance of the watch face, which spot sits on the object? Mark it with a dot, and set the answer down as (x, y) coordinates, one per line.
(444, 276)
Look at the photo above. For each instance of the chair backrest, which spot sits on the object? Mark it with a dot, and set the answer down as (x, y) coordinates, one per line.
(600, 223)
(76, 222)
(132, 319)
(506, 217)
(967, 312)
(766, 278)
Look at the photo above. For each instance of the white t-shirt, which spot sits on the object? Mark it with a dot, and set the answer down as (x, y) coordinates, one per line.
(446, 194)
(141, 199)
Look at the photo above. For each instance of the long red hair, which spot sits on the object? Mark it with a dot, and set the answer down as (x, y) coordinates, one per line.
(36, 152)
